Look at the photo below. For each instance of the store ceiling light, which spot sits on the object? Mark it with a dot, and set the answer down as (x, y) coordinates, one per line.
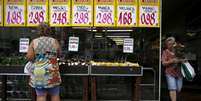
(98, 36)
(118, 36)
(94, 30)
(113, 30)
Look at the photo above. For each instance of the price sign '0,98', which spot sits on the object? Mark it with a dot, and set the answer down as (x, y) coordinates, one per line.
(149, 16)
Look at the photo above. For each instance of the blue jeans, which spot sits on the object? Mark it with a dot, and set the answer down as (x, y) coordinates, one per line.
(174, 83)
(52, 91)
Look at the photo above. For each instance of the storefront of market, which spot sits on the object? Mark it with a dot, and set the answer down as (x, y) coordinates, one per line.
(110, 48)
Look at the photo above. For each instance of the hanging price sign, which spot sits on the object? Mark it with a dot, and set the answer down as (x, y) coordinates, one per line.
(149, 13)
(59, 14)
(37, 12)
(126, 13)
(1, 12)
(104, 13)
(82, 11)
(14, 12)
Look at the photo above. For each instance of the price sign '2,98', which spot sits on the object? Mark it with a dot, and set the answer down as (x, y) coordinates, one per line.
(37, 11)
(36, 14)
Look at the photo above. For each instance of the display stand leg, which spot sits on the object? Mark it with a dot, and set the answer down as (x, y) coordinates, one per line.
(93, 89)
(86, 86)
(136, 88)
(33, 94)
(4, 85)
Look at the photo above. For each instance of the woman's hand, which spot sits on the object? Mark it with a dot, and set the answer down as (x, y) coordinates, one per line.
(176, 60)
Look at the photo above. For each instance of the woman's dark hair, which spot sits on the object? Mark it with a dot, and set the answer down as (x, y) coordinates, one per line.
(44, 29)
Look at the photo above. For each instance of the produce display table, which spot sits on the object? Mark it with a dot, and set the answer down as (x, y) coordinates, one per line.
(135, 72)
(64, 70)
(85, 72)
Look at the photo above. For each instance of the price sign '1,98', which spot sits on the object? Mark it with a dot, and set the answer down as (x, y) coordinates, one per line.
(14, 15)
(36, 14)
(149, 16)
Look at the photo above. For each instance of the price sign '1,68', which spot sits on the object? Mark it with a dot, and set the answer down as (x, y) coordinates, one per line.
(148, 18)
(104, 18)
(125, 18)
(36, 17)
(15, 17)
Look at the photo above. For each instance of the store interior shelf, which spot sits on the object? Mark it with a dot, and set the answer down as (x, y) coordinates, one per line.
(116, 71)
(74, 70)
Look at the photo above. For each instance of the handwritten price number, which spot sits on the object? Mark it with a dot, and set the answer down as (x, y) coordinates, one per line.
(36, 17)
(128, 48)
(125, 18)
(14, 17)
(105, 18)
(59, 18)
(148, 18)
(81, 18)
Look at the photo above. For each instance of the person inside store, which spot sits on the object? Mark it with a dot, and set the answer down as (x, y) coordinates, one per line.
(172, 65)
(43, 52)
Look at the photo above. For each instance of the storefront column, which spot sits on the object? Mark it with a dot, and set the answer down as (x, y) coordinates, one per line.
(136, 88)
(4, 86)
(93, 88)
(86, 88)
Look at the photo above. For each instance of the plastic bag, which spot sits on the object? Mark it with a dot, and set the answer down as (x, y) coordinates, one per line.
(187, 71)
(27, 67)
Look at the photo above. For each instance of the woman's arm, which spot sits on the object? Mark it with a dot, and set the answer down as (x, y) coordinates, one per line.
(166, 61)
(30, 53)
(58, 47)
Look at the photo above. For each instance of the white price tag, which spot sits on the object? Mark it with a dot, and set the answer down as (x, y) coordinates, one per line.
(23, 45)
(128, 45)
(73, 44)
